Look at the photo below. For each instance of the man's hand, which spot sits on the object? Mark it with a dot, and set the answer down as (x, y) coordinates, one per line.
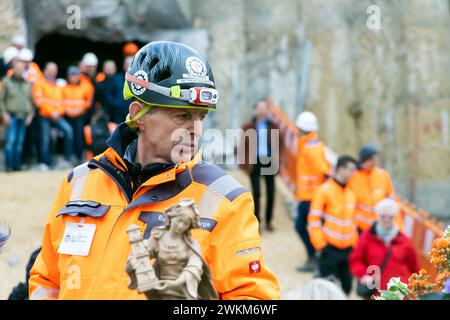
(55, 115)
(28, 120)
(73, 112)
(7, 119)
(367, 280)
(319, 253)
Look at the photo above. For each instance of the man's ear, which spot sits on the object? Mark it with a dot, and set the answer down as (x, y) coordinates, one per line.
(134, 108)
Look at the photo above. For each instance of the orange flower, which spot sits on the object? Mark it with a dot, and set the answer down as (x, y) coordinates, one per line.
(423, 272)
(442, 243)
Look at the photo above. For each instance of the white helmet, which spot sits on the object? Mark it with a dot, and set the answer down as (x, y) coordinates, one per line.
(89, 59)
(9, 54)
(19, 40)
(307, 121)
(25, 55)
(61, 82)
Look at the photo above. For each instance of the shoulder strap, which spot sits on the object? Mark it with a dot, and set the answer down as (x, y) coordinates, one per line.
(386, 259)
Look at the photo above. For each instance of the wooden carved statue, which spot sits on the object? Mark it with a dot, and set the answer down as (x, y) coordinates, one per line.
(179, 271)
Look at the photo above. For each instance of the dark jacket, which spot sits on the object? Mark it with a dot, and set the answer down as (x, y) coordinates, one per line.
(371, 250)
(116, 105)
(247, 154)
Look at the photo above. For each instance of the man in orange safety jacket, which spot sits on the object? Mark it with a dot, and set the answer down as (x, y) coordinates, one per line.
(330, 223)
(312, 170)
(370, 184)
(153, 161)
(48, 97)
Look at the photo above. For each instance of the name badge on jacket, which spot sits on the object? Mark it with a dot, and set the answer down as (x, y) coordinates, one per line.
(77, 239)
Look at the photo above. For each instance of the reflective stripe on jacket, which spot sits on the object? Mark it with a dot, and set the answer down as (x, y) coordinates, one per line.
(330, 220)
(98, 193)
(312, 166)
(78, 97)
(48, 97)
(369, 187)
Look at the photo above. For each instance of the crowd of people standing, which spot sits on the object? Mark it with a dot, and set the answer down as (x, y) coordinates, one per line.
(46, 115)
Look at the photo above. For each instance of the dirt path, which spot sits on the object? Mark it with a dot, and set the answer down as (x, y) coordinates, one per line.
(26, 198)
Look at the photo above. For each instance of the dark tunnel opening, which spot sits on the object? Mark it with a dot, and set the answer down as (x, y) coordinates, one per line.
(66, 51)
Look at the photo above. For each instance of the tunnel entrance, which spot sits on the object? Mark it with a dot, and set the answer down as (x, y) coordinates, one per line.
(67, 50)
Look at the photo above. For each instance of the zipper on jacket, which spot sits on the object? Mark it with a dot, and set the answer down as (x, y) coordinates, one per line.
(122, 182)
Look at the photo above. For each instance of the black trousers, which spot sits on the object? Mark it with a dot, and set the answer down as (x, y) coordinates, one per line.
(256, 188)
(334, 261)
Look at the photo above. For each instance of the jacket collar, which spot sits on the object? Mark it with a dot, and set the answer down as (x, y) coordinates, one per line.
(339, 184)
(373, 233)
(122, 137)
(310, 137)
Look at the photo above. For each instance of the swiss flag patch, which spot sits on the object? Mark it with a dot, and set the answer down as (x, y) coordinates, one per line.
(254, 267)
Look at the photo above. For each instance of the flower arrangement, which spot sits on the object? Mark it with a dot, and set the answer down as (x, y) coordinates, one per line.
(419, 285)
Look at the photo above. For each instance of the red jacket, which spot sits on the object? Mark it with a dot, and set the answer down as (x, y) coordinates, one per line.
(371, 250)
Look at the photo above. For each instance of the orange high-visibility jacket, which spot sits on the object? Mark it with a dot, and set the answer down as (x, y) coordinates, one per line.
(98, 193)
(312, 166)
(330, 219)
(48, 97)
(369, 187)
(78, 96)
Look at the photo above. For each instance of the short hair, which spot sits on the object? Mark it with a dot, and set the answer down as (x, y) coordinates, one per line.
(48, 63)
(387, 207)
(317, 289)
(343, 161)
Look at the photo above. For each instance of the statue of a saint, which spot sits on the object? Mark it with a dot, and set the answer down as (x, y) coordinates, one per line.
(181, 272)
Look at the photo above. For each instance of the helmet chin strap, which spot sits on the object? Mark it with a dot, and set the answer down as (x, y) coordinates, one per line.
(132, 122)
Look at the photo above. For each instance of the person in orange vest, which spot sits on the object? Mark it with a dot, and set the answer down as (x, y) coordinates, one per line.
(331, 226)
(370, 184)
(48, 97)
(312, 170)
(152, 162)
(77, 99)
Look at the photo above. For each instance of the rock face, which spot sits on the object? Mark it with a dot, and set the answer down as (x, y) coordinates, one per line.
(388, 86)
(12, 22)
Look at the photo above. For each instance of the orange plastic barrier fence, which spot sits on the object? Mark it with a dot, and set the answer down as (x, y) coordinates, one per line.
(418, 225)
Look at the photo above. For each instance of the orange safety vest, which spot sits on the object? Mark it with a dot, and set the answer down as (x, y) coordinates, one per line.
(330, 219)
(369, 187)
(78, 96)
(48, 97)
(97, 193)
(312, 166)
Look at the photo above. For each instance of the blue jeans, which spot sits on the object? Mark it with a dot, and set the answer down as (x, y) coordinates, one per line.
(14, 142)
(77, 125)
(46, 127)
(301, 227)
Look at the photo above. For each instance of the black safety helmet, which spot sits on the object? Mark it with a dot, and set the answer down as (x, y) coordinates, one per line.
(164, 73)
